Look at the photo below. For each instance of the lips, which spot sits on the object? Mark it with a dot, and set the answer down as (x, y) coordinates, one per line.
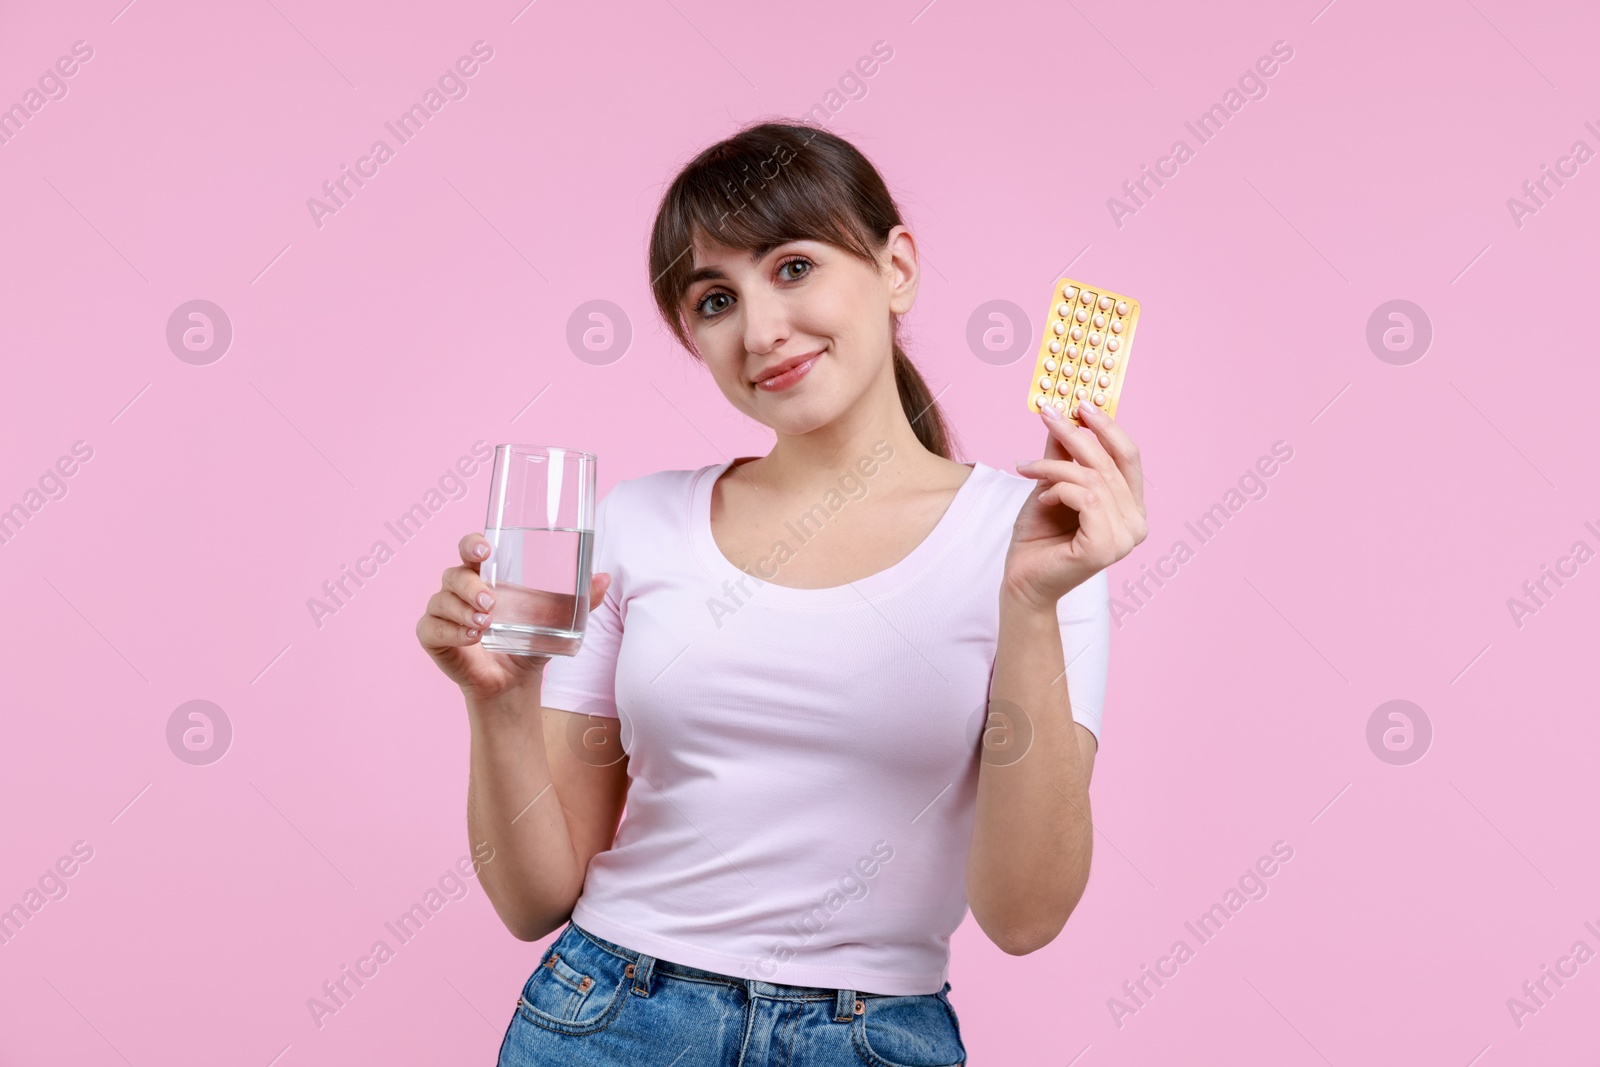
(786, 365)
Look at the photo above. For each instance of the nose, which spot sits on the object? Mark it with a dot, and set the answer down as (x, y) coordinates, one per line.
(766, 321)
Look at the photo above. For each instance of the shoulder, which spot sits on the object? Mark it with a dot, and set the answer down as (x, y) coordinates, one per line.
(656, 495)
(996, 487)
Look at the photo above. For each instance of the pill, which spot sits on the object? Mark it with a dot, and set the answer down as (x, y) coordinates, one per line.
(1086, 374)
(1116, 327)
(1080, 392)
(1060, 405)
(1077, 332)
(1049, 366)
(1105, 381)
(1099, 399)
(1069, 292)
(1038, 400)
(1109, 363)
(1105, 302)
(1122, 308)
(1086, 296)
(1094, 340)
(1082, 315)
(1044, 382)
(1064, 386)
(1060, 328)
(1112, 344)
(1091, 358)
(1055, 347)
(1099, 322)
(1072, 351)
(1062, 310)
(1074, 412)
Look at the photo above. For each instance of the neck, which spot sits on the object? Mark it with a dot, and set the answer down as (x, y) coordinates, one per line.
(875, 435)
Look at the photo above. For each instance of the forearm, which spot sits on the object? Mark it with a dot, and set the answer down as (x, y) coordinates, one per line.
(512, 803)
(1031, 837)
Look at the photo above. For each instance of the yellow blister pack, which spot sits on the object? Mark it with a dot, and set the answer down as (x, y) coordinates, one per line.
(1083, 356)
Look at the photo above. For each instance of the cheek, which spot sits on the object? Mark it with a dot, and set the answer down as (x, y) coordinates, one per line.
(724, 361)
(851, 319)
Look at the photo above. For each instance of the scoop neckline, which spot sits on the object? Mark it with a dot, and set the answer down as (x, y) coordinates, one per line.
(721, 568)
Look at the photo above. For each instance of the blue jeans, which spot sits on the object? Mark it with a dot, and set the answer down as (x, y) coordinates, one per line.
(594, 1002)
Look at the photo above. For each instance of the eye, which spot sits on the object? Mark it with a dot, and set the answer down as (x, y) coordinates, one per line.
(796, 261)
(700, 306)
(701, 309)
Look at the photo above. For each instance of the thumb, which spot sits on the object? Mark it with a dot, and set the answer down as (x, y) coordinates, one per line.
(598, 584)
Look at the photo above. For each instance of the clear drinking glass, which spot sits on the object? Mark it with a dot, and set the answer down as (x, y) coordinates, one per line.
(541, 544)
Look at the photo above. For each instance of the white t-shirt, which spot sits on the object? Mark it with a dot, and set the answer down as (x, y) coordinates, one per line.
(803, 762)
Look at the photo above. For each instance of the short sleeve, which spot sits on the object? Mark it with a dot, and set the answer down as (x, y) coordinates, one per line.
(586, 681)
(1085, 617)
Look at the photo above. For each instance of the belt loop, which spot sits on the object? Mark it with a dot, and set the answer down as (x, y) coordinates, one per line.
(844, 1005)
(641, 969)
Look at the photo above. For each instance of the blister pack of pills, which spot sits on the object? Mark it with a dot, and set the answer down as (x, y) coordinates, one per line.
(1083, 357)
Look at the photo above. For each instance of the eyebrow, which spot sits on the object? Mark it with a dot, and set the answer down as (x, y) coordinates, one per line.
(700, 274)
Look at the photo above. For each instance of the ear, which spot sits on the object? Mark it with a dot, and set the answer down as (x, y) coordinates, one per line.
(904, 274)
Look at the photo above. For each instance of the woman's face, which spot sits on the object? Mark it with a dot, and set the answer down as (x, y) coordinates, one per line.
(800, 300)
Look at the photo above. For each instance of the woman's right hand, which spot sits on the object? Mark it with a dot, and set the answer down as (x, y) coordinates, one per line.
(460, 612)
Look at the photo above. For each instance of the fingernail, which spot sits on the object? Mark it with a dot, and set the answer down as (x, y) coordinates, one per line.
(1050, 412)
(485, 601)
(480, 618)
(472, 633)
(482, 549)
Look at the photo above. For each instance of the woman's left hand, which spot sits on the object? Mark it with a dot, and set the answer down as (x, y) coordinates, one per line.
(1087, 513)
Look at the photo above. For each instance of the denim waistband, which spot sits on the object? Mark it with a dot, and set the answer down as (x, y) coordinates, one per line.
(644, 967)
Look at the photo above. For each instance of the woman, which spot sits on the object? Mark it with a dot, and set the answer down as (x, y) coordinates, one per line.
(847, 689)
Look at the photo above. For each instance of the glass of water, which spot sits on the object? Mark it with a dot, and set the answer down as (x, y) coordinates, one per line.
(540, 531)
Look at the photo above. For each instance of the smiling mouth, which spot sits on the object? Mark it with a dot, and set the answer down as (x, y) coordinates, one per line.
(786, 366)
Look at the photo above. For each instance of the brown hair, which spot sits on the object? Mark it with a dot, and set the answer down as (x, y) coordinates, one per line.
(774, 182)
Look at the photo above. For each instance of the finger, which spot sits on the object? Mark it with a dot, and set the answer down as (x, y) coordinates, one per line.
(1055, 430)
(1129, 495)
(598, 585)
(1120, 446)
(1058, 470)
(1084, 446)
(464, 582)
(1095, 522)
(435, 632)
(474, 550)
(447, 606)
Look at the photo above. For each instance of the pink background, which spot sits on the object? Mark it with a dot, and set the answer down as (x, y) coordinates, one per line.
(369, 354)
